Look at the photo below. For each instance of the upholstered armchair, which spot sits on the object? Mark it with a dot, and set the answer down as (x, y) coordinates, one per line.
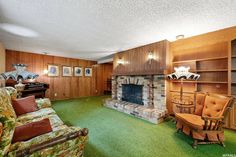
(204, 124)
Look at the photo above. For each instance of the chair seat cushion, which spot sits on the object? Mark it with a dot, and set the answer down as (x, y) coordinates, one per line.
(194, 121)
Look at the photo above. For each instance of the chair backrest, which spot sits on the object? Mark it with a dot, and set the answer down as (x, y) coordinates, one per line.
(215, 105)
(199, 99)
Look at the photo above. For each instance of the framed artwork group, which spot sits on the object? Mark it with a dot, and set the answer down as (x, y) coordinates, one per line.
(67, 71)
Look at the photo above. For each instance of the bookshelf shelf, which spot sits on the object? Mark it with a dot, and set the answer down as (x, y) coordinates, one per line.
(211, 82)
(203, 59)
(177, 91)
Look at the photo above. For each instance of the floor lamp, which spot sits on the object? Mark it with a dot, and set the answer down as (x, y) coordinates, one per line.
(182, 73)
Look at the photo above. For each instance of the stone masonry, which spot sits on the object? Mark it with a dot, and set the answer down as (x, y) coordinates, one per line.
(154, 97)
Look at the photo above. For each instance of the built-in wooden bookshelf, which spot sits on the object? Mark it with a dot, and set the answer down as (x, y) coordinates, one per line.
(211, 62)
(213, 56)
(216, 64)
(232, 82)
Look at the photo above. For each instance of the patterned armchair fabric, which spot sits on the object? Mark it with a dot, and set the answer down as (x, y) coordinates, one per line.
(12, 92)
(205, 124)
(71, 146)
(74, 146)
(8, 120)
(43, 103)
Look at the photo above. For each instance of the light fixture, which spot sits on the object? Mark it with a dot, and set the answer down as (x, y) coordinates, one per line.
(182, 73)
(19, 73)
(45, 71)
(150, 57)
(178, 37)
(120, 61)
(18, 30)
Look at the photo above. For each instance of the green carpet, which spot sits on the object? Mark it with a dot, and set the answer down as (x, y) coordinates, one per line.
(115, 134)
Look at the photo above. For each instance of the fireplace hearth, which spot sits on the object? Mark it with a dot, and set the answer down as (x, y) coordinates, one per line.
(132, 93)
(140, 96)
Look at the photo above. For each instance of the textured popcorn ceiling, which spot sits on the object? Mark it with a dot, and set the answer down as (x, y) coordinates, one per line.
(92, 29)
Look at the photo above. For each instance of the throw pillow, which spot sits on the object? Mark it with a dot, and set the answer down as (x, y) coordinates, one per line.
(31, 130)
(24, 105)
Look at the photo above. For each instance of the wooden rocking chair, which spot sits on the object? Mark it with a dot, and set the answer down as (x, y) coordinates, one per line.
(204, 125)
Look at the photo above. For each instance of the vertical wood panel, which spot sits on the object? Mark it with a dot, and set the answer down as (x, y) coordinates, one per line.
(136, 60)
(65, 87)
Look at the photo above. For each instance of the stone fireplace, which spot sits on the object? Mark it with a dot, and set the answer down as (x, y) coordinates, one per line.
(132, 93)
(141, 96)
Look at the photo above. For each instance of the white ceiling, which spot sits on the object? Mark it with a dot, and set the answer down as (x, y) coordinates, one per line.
(92, 29)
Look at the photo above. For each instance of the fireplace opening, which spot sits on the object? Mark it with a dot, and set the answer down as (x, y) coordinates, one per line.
(132, 93)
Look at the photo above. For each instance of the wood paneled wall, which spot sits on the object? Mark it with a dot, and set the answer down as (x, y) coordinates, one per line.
(136, 60)
(2, 58)
(2, 62)
(213, 44)
(103, 72)
(64, 87)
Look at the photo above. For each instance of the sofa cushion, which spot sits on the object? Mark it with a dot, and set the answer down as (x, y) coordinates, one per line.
(214, 106)
(194, 121)
(55, 121)
(30, 130)
(46, 137)
(43, 103)
(34, 115)
(24, 105)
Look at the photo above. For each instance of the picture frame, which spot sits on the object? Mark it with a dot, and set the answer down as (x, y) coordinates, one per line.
(66, 70)
(53, 70)
(78, 71)
(88, 71)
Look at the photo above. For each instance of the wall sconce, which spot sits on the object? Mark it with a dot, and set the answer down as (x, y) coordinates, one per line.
(45, 71)
(150, 57)
(120, 61)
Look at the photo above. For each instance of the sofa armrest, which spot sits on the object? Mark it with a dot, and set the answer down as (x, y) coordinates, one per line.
(51, 142)
(43, 103)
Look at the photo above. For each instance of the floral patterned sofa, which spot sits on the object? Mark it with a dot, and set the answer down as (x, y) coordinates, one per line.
(62, 141)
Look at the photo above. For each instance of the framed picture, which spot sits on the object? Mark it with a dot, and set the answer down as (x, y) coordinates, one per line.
(78, 71)
(53, 70)
(66, 71)
(88, 72)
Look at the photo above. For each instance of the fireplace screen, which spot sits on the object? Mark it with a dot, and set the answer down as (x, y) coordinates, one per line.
(132, 93)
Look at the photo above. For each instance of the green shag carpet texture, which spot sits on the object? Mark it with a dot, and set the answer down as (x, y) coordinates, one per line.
(116, 134)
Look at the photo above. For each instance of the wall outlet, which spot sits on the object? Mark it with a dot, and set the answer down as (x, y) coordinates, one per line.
(55, 94)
